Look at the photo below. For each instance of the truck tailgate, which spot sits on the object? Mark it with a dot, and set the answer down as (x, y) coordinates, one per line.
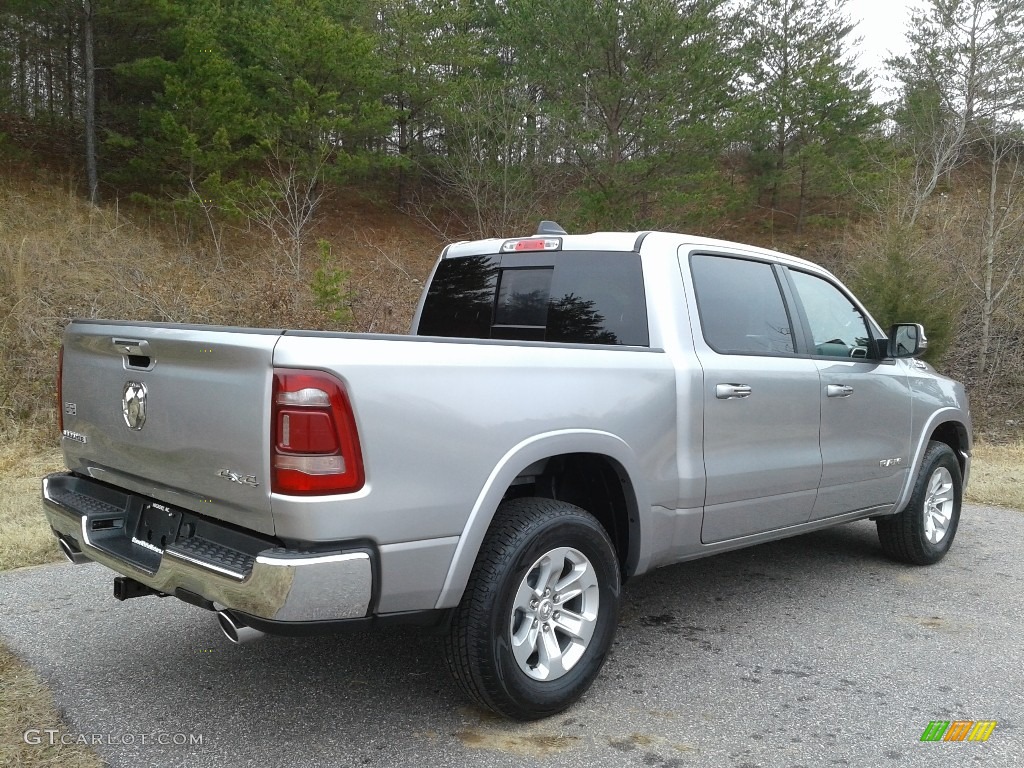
(178, 413)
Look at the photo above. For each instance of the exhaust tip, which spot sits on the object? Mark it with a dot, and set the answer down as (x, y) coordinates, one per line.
(235, 630)
(71, 552)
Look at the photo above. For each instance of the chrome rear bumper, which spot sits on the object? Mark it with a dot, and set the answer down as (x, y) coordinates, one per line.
(274, 583)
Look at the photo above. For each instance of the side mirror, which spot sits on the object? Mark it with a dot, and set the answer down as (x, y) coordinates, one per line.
(907, 340)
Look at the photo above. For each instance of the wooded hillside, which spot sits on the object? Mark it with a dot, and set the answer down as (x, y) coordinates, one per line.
(239, 133)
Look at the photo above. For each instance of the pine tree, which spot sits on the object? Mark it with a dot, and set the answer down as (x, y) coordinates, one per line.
(807, 108)
(636, 90)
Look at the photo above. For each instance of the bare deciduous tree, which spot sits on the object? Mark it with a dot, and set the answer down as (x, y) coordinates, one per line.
(285, 204)
(963, 92)
(491, 167)
(1001, 244)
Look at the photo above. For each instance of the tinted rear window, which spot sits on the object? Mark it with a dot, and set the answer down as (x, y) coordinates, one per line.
(573, 297)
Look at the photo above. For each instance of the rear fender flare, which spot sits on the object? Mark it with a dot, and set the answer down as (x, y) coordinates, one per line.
(531, 451)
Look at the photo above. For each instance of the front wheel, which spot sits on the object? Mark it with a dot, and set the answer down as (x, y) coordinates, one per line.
(923, 532)
(539, 612)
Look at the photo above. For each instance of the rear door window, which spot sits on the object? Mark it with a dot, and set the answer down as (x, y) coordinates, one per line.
(740, 306)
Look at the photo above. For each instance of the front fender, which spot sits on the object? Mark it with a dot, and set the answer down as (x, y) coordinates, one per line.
(959, 418)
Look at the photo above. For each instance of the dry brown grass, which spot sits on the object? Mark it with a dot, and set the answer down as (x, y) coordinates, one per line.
(997, 475)
(25, 537)
(61, 258)
(27, 706)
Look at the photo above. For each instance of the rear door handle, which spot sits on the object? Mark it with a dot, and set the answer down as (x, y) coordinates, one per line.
(839, 390)
(732, 391)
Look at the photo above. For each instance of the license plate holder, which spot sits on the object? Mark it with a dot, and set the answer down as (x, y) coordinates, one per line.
(158, 525)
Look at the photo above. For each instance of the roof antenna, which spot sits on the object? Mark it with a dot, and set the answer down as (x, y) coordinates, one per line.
(550, 228)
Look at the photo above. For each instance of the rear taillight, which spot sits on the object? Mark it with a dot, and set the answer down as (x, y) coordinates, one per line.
(314, 445)
(60, 390)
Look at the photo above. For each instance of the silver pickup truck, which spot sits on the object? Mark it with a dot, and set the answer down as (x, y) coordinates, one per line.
(570, 411)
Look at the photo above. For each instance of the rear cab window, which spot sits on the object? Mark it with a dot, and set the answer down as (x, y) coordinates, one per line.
(574, 297)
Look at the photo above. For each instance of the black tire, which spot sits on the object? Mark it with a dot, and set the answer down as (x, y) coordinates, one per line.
(501, 609)
(915, 535)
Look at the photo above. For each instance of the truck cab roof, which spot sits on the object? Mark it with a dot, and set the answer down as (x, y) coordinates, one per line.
(624, 242)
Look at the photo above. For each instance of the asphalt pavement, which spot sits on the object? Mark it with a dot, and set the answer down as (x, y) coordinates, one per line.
(815, 651)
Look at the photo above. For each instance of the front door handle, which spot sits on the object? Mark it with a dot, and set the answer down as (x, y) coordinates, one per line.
(839, 390)
(732, 391)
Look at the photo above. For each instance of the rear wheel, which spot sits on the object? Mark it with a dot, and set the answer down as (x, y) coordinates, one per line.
(923, 532)
(539, 612)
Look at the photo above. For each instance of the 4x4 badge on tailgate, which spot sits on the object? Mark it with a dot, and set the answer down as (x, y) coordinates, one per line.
(234, 477)
(133, 404)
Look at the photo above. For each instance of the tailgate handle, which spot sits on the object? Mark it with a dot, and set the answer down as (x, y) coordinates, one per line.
(135, 353)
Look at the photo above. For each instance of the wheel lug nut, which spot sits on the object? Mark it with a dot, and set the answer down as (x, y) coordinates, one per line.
(556, 615)
(547, 593)
(534, 603)
(547, 627)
